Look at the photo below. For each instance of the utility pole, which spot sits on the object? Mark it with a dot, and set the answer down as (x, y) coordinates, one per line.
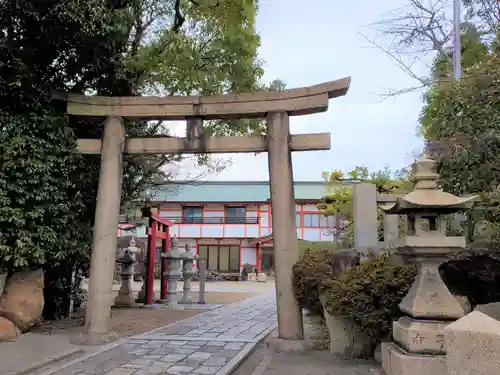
(457, 44)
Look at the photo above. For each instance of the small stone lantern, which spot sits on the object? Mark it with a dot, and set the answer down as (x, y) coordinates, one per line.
(418, 347)
(127, 262)
(174, 271)
(188, 272)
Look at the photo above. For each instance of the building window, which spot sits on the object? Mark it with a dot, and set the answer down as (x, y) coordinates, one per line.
(317, 221)
(298, 221)
(220, 258)
(192, 214)
(235, 215)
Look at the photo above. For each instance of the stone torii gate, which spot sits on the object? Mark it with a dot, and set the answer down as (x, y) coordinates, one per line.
(277, 107)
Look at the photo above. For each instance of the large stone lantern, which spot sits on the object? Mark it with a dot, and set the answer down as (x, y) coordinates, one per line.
(418, 346)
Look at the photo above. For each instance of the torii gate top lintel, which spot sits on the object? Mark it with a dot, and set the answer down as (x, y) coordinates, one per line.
(296, 102)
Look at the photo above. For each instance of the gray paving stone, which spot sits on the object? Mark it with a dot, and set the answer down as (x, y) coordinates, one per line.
(233, 346)
(173, 357)
(193, 364)
(210, 349)
(191, 346)
(217, 343)
(142, 361)
(179, 370)
(121, 371)
(131, 365)
(186, 350)
(195, 332)
(138, 341)
(152, 356)
(227, 353)
(139, 351)
(209, 335)
(215, 361)
(199, 356)
(206, 370)
(177, 343)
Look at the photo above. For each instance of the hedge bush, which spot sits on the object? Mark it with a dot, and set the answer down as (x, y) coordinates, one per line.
(309, 272)
(369, 294)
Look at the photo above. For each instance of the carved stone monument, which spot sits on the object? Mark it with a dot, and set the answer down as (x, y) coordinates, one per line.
(418, 347)
(188, 272)
(127, 261)
(174, 272)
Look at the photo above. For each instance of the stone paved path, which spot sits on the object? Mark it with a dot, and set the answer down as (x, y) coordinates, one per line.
(213, 343)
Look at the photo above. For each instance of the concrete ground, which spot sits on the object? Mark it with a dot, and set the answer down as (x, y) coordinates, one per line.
(264, 361)
(312, 363)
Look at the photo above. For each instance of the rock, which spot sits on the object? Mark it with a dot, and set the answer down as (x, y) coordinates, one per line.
(8, 331)
(346, 340)
(261, 278)
(22, 299)
(464, 302)
(491, 309)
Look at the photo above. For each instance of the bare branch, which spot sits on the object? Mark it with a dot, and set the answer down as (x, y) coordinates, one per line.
(412, 36)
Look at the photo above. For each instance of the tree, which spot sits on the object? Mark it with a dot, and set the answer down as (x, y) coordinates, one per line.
(461, 125)
(112, 47)
(418, 38)
(337, 201)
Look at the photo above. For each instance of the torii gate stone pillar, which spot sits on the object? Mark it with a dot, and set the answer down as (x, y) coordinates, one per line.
(279, 143)
(290, 324)
(103, 257)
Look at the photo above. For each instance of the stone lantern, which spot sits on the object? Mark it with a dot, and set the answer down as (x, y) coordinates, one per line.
(188, 271)
(127, 262)
(418, 346)
(174, 272)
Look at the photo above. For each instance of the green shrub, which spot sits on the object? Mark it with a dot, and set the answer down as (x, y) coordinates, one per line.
(369, 295)
(309, 273)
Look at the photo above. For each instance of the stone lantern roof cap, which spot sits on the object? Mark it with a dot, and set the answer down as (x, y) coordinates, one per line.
(426, 196)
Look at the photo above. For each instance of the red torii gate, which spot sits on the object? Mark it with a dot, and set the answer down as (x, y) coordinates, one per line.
(158, 228)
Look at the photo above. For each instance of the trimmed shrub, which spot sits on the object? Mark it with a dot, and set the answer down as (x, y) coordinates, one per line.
(309, 272)
(369, 295)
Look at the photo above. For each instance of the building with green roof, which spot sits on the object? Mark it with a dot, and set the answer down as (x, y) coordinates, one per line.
(230, 222)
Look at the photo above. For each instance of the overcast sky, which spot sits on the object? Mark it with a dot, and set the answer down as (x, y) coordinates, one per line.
(305, 43)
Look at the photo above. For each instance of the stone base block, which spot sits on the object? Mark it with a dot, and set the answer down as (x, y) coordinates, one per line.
(420, 336)
(397, 361)
(124, 301)
(473, 345)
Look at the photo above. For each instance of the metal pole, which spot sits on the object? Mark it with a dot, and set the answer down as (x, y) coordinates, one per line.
(457, 53)
(201, 292)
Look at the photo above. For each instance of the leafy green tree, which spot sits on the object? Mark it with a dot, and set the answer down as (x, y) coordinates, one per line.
(112, 47)
(459, 124)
